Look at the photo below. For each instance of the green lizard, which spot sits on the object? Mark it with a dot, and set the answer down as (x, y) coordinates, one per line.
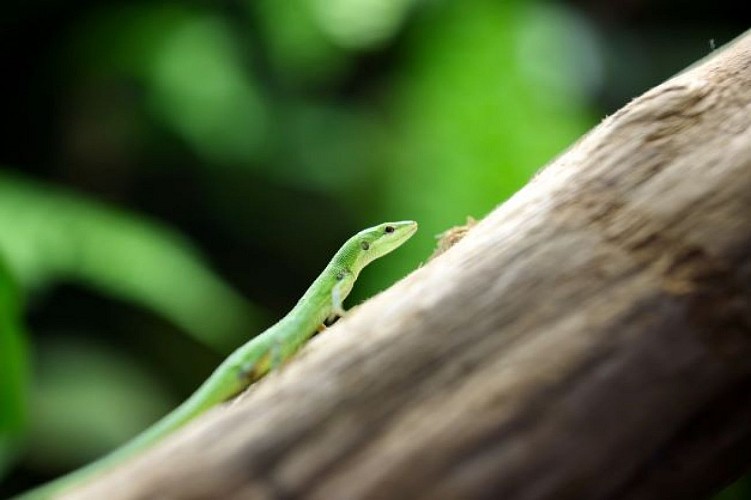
(264, 352)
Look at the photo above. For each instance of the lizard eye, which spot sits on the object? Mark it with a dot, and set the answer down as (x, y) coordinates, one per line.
(339, 276)
(389, 229)
(365, 245)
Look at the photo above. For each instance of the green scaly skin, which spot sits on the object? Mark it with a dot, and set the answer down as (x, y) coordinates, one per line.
(266, 351)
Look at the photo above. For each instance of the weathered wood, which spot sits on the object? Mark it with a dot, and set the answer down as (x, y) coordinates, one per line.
(589, 339)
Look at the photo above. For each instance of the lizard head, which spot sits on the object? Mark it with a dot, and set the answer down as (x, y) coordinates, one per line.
(374, 242)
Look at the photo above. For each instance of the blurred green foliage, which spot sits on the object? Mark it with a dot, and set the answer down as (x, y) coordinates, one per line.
(263, 132)
(14, 371)
(70, 384)
(47, 236)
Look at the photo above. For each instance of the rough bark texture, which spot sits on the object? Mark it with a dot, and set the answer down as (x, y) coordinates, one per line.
(589, 339)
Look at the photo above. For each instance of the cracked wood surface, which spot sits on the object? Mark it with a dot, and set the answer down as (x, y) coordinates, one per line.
(589, 339)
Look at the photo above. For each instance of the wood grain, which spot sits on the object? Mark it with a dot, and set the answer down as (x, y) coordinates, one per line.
(589, 339)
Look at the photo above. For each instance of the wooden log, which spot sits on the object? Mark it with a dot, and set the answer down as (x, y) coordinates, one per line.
(589, 339)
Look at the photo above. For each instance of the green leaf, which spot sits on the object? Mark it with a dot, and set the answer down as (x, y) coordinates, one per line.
(48, 235)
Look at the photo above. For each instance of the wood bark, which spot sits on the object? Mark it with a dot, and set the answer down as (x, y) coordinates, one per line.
(589, 339)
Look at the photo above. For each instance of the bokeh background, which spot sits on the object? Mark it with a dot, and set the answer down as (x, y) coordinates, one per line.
(174, 174)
